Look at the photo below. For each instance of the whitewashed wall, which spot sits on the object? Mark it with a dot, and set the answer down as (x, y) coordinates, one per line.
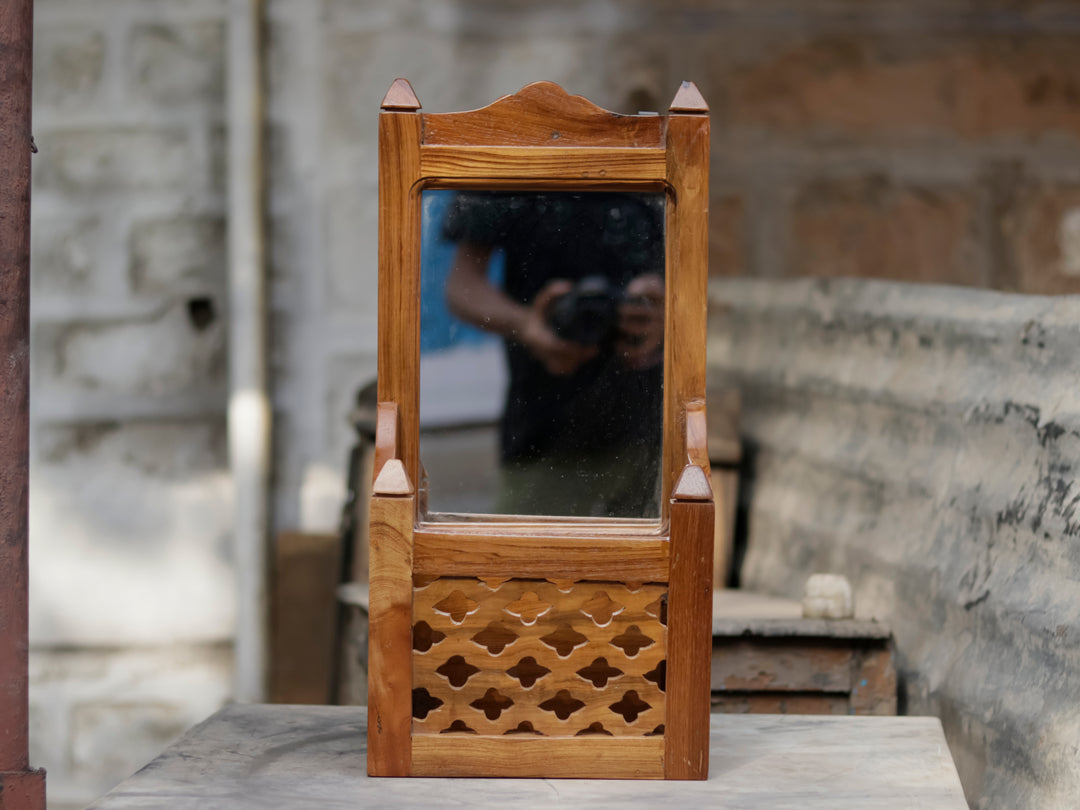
(131, 585)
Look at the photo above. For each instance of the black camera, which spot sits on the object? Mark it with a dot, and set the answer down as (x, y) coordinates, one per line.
(588, 314)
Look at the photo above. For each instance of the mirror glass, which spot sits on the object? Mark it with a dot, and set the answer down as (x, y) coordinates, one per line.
(541, 352)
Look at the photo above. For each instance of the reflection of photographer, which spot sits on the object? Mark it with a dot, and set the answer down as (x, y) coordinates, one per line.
(581, 307)
(568, 324)
(628, 321)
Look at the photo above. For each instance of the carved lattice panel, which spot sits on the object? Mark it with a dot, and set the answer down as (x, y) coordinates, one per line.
(533, 657)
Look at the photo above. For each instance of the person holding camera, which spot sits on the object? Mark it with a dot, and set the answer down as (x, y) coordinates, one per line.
(581, 309)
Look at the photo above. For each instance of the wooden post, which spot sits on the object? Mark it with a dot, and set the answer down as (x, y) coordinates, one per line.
(687, 277)
(689, 627)
(390, 634)
(399, 279)
(20, 787)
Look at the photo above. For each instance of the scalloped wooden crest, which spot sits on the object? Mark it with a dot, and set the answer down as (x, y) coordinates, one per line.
(545, 94)
(688, 99)
(400, 96)
(543, 114)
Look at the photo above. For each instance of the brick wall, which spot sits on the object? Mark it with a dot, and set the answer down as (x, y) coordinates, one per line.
(916, 141)
(924, 442)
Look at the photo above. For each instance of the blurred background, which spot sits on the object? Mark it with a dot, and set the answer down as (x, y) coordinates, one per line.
(933, 142)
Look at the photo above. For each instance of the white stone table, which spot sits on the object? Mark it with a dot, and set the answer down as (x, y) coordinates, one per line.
(295, 757)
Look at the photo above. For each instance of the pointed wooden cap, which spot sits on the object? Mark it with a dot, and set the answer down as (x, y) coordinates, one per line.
(393, 480)
(693, 485)
(400, 96)
(688, 99)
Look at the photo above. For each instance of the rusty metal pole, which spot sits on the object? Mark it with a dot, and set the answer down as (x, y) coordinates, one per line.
(20, 787)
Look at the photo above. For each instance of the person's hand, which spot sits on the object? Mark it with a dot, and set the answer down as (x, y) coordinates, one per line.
(560, 357)
(640, 343)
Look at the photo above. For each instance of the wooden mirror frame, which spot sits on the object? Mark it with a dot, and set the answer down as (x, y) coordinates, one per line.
(541, 138)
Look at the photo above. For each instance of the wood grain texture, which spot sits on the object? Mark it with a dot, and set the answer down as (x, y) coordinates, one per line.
(399, 279)
(390, 638)
(687, 260)
(697, 435)
(689, 639)
(493, 638)
(579, 556)
(493, 162)
(543, 114)
(574, 758)
(386, 435)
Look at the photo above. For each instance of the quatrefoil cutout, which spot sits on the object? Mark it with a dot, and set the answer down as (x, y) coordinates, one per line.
(495, 638)
(632, 641)
(492, 704)
(599, 672)
(601, 608)
(457, 670)
(425, 637)
(630, 706)
(564, 639)
(527, 671)
(457, 606)
(424, 703)
(528, 608)
(563, 704)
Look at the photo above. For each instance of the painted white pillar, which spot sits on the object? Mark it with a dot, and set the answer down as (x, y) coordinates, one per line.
(249, 417)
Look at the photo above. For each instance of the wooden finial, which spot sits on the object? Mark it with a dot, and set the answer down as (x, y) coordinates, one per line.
(688, 99)
(693, 485)
(393, 480)
(400, 96)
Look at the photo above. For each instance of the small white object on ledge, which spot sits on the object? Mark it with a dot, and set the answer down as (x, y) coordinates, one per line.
(828, 596)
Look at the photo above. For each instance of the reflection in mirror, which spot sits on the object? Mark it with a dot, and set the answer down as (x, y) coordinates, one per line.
(541, 365)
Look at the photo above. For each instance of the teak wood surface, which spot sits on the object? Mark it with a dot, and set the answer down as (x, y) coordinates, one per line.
(540, 138)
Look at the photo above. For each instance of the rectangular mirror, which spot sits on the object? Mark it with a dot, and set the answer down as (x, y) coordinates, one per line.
(541, 352)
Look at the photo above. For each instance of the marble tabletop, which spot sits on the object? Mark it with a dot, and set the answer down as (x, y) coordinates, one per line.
(270, 757)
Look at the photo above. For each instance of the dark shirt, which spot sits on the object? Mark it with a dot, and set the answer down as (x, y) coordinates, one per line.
(570, 235)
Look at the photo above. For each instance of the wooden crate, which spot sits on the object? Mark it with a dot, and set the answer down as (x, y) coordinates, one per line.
(767, 659)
